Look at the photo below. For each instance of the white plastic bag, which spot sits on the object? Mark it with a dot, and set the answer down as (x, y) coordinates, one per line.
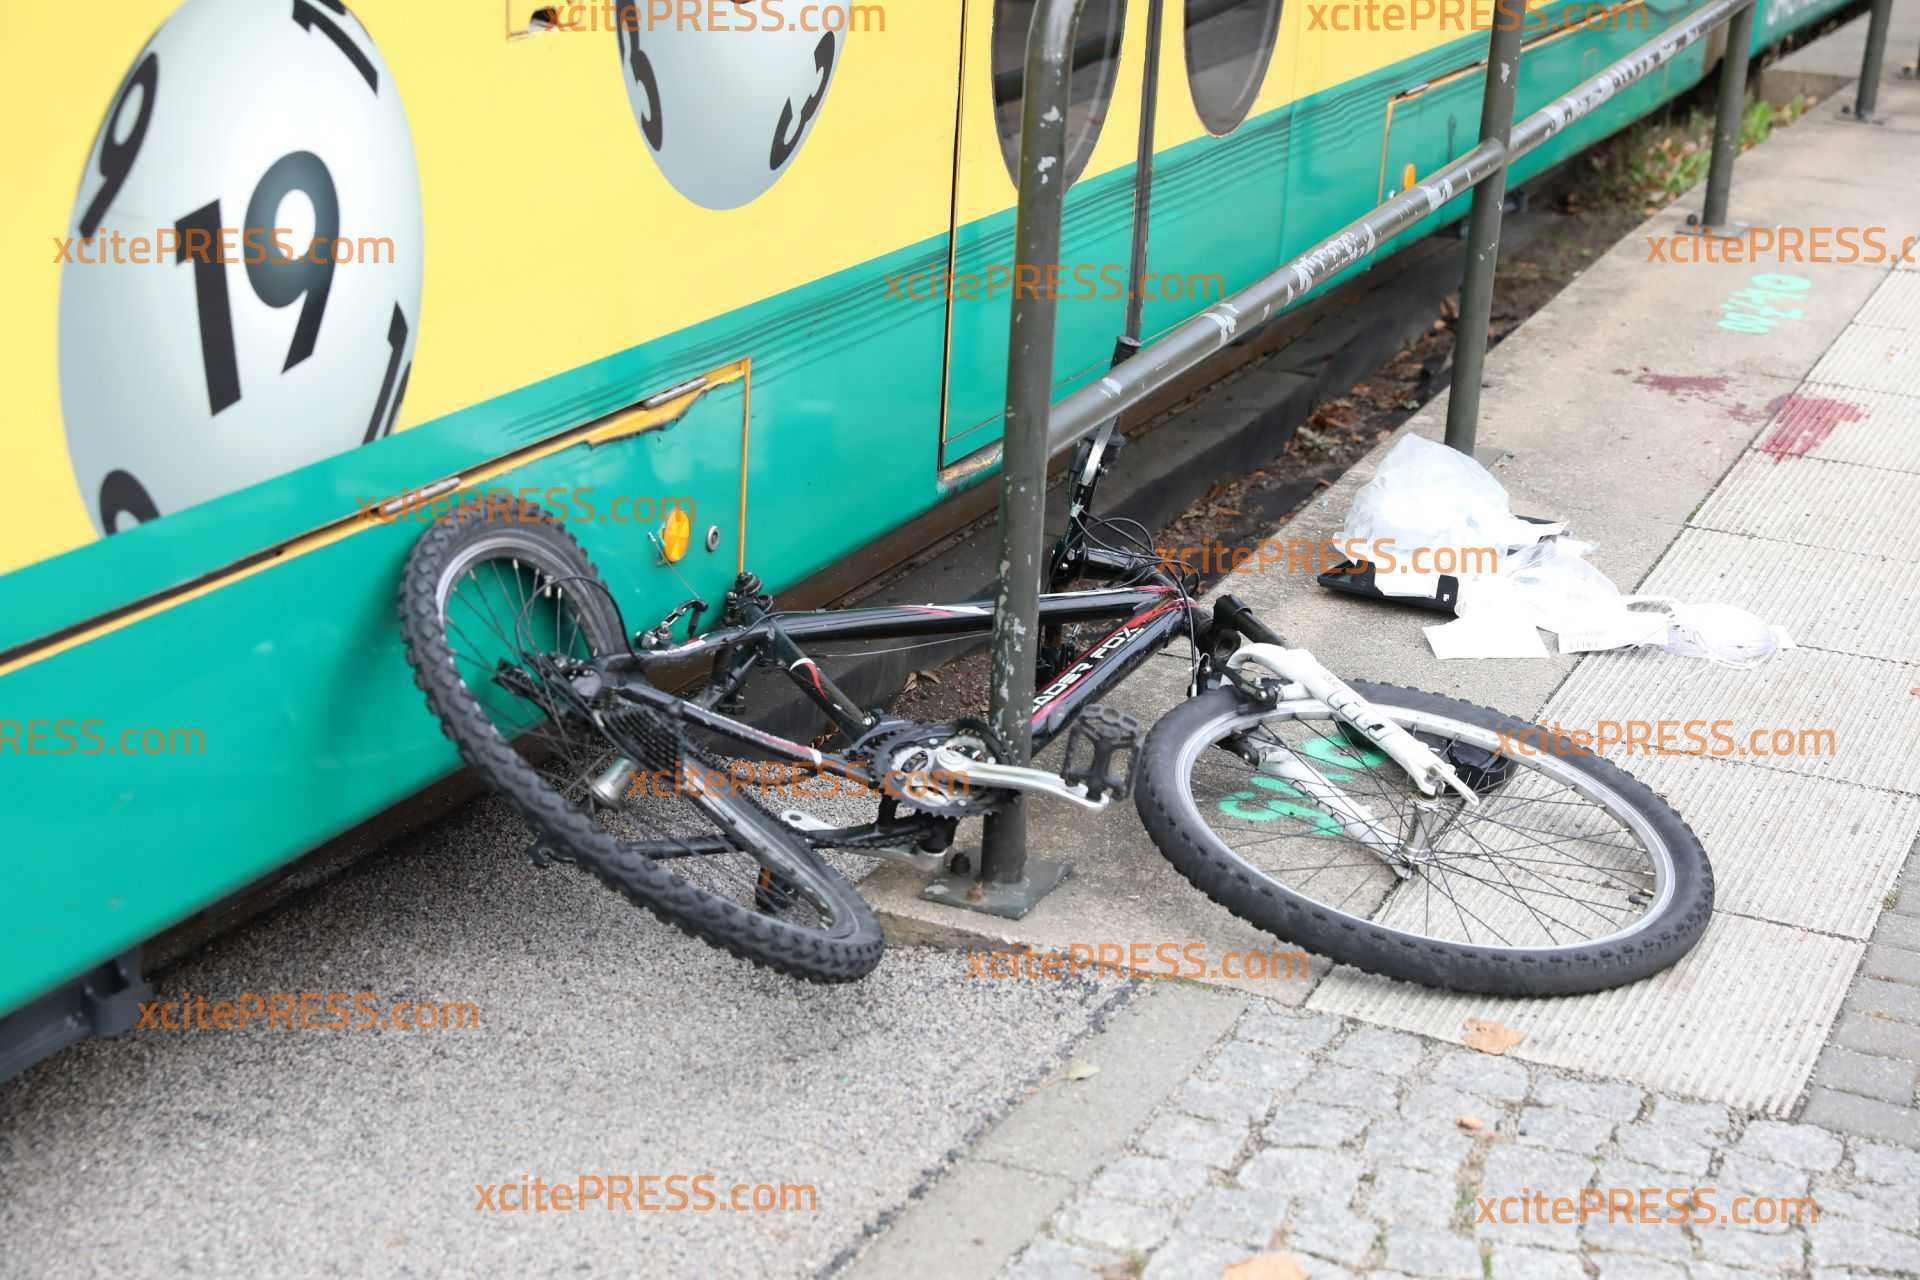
(1427, 495)
(1722, 633)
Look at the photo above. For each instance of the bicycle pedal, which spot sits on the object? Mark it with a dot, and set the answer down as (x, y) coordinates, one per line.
(1102, 745)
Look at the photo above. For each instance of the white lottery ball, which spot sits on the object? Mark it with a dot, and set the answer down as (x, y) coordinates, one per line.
(182, 380)
(724, 112)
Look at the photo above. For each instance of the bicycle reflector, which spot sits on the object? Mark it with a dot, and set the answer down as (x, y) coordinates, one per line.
(676, 535)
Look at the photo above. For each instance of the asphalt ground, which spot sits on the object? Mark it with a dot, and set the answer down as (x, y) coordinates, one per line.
(606, 1043)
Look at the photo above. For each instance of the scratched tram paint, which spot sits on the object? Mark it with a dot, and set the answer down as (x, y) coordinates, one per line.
(1752, 311)
(1804, 422)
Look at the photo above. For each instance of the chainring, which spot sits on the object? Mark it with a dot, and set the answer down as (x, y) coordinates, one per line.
(902, 757)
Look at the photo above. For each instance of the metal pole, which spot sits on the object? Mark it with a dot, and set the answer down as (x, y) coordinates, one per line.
(1483, 225)
(1186, 344)
(1005, 886)
(1726, 120)
(1142, 186)
(1868, 93)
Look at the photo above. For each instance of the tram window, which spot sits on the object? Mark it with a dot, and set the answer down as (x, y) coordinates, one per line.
(1096, 64)
(1229, 43)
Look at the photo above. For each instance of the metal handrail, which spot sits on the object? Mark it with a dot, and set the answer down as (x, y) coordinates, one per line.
(1036, 428)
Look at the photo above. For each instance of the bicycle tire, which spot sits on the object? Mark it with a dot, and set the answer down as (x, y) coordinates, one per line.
(850, 951)
(1172, 819)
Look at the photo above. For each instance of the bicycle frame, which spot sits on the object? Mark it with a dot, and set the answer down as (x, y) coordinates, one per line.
(1147, 617)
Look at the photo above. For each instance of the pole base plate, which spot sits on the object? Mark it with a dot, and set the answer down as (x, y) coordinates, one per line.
(1008, 901)
(1728, 230)
(1871, 117)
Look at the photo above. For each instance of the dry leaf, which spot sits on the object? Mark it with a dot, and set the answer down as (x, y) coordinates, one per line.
(1469, 1122)
(1489, 1037)
(1268, 1266)
(1080, 1069)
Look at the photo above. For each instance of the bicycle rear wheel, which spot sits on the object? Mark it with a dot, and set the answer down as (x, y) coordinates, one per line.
(501, 608)
(1569, 875)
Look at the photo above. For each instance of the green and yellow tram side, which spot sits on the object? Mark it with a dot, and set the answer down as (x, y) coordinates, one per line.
(755, 276)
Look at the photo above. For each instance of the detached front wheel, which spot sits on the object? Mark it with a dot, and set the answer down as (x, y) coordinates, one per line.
(1569, 876)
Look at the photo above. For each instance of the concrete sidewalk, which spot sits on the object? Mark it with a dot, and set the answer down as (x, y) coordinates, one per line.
(1771, 463)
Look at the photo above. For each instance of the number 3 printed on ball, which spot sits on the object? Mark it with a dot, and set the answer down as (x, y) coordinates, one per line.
(724, 111)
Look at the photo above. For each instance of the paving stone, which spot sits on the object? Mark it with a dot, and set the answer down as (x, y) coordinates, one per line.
(1840, 1243)
(1621, 1234)
(1322, 1226)
(1901, 932)
(1664, 1148)
(1615, 1101)
(1244, 1216)
(1193, 1258)
(1047, 1259)
(1120, 1226)
(1314, 1124)
(1446, 1104)
(1346, 1086)
(1413, 1145)
(1869, 1075)
(1433, 1253)
(1616, 1173)
(1259, 1066)
(1891, 964)
(1627, 1266)
(1323, 1269)
(1895, 1000)
(1181, 1137)
(1408, 1197)
(1150, 1180)
(1501, 1079)
(1224, 1101)
(1713, 1271)
(1742, 1174)
(1563, 1130)
(1862, 1117)
(1801, 1145)
(1864, 1033)
(1303, 1171)
(1523, 1262)
(1513, 1170)
(1704, 1122)
(1392, 1053)
(1303, 1033)
(1883, 1204)
(1752, 1251)
(1879, 1163)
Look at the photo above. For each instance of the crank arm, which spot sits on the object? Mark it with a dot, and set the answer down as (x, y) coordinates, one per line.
(1008, 777)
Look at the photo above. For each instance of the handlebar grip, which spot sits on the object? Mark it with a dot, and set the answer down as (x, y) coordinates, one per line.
(1233, 613)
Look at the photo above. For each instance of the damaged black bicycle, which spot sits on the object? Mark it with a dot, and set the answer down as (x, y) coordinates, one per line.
(1382, 827)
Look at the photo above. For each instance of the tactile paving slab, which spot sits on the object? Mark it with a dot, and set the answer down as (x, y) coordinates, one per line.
(1831, 423)
(1895, 304)
(1739, 1020)
(1864, 706)
(1863, 510)
(1827, 599)
(1872, 358)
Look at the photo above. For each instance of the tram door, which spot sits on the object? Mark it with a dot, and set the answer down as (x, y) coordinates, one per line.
(1102, 133)
(1226, 87)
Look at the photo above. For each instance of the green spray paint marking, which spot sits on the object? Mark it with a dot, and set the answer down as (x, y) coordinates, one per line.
(1337, 753)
